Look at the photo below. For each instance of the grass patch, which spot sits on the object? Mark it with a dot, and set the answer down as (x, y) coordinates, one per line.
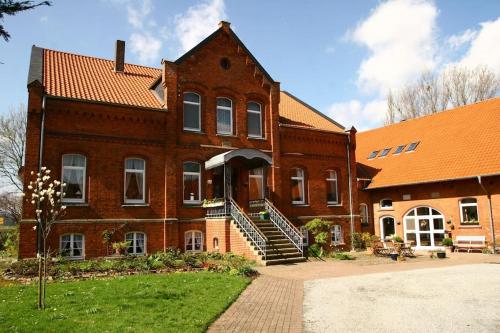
(178, 302)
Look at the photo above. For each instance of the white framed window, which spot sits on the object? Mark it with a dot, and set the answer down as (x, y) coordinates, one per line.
(468, 211)
(254, 120)
(337, 235)
(298, 192)
(385, 152)
(386, 203)
(74, 175)
(193, 241)
(332, 194)
(72, 246)
(192, 112)
(412, 146)
(373, 154)
(399, 149)
(363, 213)
(135, 181)
(191, 182)
(137, 243)
(224, 116)
(424, 227)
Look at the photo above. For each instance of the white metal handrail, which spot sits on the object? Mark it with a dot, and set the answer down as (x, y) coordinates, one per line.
(286, 227)
(247, 226)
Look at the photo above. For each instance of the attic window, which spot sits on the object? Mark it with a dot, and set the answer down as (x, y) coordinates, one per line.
(225, 63)
(399, 149)
(412, 146)
(373, 154)
(385, 152)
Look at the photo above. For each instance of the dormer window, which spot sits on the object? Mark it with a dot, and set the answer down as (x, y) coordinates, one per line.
(399, 149)
(412, 146)
(386, 204)
(385, 152)
(373, 154)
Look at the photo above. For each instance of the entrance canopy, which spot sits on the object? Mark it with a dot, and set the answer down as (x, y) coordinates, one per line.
(253, 155)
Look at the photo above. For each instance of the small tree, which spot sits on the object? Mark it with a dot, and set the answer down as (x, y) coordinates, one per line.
(320, 230)
(46, 195)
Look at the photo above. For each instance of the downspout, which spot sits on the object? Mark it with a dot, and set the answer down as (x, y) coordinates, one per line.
(350, 189)
(165, 205)
(492, 224)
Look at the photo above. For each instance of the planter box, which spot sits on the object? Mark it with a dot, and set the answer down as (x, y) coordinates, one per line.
(441, 255)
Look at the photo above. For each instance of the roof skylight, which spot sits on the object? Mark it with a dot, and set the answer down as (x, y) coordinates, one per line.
(373, 154)
(385, 152)
(399, 149)
(412, 146)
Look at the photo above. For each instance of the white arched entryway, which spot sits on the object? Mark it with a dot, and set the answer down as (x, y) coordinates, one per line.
(424, 227)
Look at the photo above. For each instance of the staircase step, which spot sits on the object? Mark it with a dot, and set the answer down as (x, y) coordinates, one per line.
(285, 250)
(284, 261)
(283, 256)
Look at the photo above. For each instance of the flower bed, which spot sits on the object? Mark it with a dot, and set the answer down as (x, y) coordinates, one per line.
(161, 262)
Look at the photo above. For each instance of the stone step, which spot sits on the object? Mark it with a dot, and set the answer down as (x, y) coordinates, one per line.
(284, 250)
(283, 256)
(284, 261)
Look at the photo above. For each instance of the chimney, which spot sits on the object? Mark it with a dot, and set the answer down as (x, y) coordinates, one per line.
(120, 56)
(224, 25)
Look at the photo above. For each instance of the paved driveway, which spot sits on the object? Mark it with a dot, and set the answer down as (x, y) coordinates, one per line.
(450, 299)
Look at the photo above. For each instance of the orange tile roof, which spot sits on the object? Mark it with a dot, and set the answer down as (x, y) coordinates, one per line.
(295, 112)
(88, 78)
(454, 144)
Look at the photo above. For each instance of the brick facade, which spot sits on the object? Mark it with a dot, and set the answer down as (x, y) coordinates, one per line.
(106, 134)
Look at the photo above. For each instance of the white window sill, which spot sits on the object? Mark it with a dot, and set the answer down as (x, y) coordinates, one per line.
(135, 205)
(75, 204)
(191, 204)
(193, 131)
(256, 138)
(299, 205)
(334, 205)
(470, 226)
(227, 135)
(338, 244)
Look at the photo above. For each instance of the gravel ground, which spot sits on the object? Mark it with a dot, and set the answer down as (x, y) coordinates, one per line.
(451, 299)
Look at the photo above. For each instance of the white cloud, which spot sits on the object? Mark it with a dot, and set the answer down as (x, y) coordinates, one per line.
(198, 22)
(137, 16)
(485, 48)
(363, 116)
(400, 35)
(146, 47)
(457, 41)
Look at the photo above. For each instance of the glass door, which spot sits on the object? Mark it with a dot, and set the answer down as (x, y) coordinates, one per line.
(424, 227)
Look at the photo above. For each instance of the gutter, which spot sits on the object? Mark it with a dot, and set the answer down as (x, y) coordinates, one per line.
(492, 224)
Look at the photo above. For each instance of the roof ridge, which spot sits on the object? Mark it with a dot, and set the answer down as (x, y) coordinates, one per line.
(431, 115)
(93, 57)
(319, 113)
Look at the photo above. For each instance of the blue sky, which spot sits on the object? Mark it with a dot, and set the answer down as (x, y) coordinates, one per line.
(339, 56)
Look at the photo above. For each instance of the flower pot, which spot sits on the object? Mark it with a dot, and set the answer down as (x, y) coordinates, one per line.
(394, 256)
(441, 255)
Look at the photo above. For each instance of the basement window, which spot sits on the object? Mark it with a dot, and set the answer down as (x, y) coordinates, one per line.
(373, 154)
(385, 152)
(412, 146)
(399, 149)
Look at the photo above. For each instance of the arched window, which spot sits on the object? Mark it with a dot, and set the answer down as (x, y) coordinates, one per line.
(387, 227)
(192, 112)
(135, 180)
(386, 204)
(137, 242)
(74, 175)
(424, 227)
(72, 246)
(193, 241)
(224, 116)
(332, 194)
(298, 187)
(254, 120)
(363, 213)
(468, 211)
(192, 182)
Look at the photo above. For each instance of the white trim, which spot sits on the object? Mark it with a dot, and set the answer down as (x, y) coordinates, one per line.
(381, 226)
(143, 172)
(193, 234)
(84, 185)
(460, 205)
(192, 129)
(226, 108)
(260, 120)
(382, 155)
(71, 249)
(430, 217)
(134, 240)
(328, 179)
(191, 173)
(338, 234)
(301, 179)
(416, 143)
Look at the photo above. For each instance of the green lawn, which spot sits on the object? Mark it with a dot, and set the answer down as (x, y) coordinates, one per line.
(178, 302)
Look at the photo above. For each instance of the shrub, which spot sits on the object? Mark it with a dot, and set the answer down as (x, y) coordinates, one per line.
(343, 256)
(320, 230)
(362, 240)
(397, 239)
(447, 242)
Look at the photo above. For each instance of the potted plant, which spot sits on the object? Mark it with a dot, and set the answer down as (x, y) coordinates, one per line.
(397, 239)
(394, 255)
(120, 247)
(211, 203)
(448, 244)
(264, 215)
(441, 254)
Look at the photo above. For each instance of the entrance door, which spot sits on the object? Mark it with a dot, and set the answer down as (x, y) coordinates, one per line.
(424, 227)
(256, 184)
(387, 227)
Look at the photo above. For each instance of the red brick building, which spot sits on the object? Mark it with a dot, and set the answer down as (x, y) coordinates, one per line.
(433, 177)
(141, 148)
